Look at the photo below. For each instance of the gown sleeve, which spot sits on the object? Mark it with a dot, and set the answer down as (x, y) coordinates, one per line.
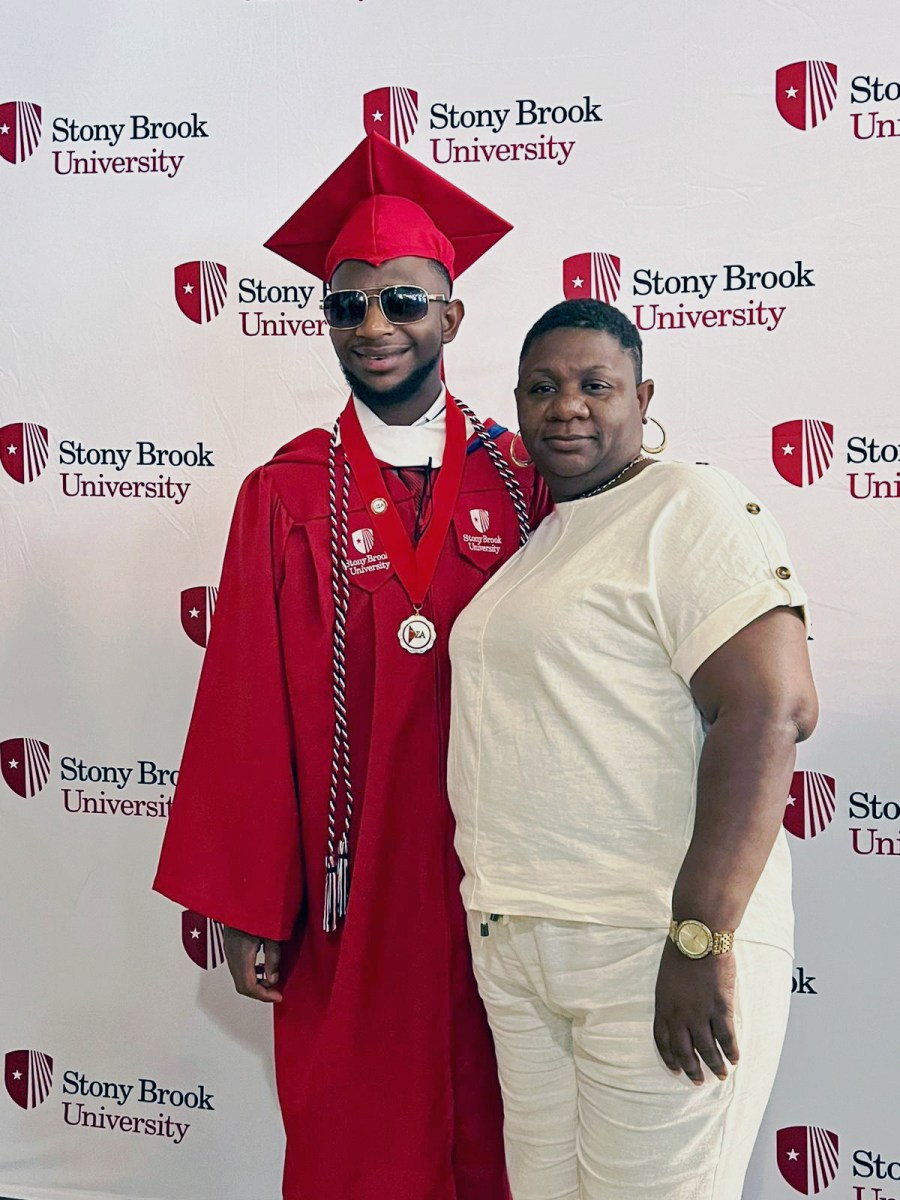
(232, 847)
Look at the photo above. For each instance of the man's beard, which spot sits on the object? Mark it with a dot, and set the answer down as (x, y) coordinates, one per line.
(405, 390)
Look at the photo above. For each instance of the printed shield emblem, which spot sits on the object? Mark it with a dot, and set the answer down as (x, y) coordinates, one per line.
(28, 1075)
(197, 607)
(20, 130)
(807, 1157)
(393, 112)
(25, 764)
(24, 450)
(811, 804)
(203, 940)
(481, 519)
(592, 276)
(363, 540)
(802, 450)
(805, 92)
(200, 289)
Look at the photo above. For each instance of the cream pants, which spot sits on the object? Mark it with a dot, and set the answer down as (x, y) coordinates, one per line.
(591, 1110)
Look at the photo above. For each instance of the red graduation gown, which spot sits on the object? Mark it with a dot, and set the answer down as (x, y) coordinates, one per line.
(385, 1067)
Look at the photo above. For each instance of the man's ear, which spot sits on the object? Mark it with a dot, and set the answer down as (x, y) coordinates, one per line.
(451, 320)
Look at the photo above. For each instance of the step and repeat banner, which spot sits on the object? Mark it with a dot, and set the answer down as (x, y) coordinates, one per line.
(727, 174)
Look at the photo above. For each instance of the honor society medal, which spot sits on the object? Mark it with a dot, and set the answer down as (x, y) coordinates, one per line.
(417, 634)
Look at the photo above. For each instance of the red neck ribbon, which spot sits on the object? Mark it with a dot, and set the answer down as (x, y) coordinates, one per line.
(415, 566)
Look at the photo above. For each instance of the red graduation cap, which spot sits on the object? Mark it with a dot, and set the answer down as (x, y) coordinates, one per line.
(382, 203)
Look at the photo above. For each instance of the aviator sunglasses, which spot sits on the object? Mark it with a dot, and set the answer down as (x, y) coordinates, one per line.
(401, 304)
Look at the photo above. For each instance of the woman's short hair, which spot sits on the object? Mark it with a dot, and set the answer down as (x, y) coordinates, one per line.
(590, 314)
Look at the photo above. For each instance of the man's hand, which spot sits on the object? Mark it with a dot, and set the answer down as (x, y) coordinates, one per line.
(241, 950)
(694, 1011)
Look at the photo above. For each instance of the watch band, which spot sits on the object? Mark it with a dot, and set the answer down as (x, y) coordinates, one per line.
(718, 942)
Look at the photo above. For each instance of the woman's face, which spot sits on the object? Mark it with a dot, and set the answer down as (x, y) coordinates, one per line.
(580, 408)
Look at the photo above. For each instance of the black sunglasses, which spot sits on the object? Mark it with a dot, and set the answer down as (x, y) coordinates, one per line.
(401, 304)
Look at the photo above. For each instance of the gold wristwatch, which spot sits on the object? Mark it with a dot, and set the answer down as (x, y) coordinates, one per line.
(696, 940)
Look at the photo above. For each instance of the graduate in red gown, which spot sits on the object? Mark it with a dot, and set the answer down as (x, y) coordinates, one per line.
(311, 814)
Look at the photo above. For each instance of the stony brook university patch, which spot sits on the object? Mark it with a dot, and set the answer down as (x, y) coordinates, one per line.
(28, 1075)
(203, 940)
(807, 1157)
(200, 289)
(393, 112)
(20, 130)
(802, 450)
(198, 604)
(481, 519)
(592, 276)
(811, 804)
(805, 92)
(24, 450)
(25, 764)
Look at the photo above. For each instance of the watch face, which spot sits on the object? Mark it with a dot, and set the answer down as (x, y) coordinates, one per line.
(694, 939)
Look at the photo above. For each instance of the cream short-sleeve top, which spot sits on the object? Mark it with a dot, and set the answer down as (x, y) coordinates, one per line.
(574, 740)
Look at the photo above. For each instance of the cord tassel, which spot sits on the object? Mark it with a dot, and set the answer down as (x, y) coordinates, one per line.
(343, 878)
(330, 920)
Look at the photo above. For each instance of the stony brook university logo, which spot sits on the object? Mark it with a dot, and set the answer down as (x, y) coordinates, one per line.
(20, 130)
(393, 112)
(811, 804)
(802, 450)
(807, 1157)
(592, 276)
(197, 607)
(805, 92)
(200, 289)
(481, 519)
(363, 540)
(25, 764)
(203, 940)
(28, 1075)
(24, 450)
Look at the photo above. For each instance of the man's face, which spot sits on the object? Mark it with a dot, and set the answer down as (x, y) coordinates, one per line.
(384, 358)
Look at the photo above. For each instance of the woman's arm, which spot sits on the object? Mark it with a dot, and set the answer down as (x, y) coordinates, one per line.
(757, 695)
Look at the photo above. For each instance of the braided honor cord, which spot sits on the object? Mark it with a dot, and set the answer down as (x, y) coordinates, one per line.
(337, 866)
(503, 470)
(337, 871)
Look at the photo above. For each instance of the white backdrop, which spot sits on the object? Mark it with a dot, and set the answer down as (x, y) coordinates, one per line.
(693, 168)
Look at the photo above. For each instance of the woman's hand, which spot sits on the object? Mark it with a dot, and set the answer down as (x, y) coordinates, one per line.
(694, 1012)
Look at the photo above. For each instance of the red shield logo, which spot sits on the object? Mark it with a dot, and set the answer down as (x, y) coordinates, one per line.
(592, 276)
(25, 763)
(807, 1157)
(20, 130)
(200, 289)
(810, 805)
(393, 112)
(363, 540)
(197, 607)
(802, 450)
(24, 450)
(203, 940)
(481, 519)
(805, 92)
(28, 1076)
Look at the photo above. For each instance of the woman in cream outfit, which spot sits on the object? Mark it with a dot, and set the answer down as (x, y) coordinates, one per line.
(628, 693)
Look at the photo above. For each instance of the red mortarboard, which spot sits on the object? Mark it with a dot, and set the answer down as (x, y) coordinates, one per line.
(382, 203)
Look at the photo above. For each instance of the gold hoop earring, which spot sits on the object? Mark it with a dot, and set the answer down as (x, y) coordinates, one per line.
(662, 445)
(512, 451)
